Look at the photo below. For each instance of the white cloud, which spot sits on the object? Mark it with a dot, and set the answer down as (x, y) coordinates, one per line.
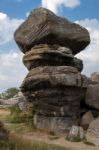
(91, 54)
(27, 14)
(12, 71)
(54, 5)
(7, 27)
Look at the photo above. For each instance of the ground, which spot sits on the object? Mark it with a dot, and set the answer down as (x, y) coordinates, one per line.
(41, 136)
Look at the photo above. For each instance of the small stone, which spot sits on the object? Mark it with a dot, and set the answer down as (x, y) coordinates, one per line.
(76, 134)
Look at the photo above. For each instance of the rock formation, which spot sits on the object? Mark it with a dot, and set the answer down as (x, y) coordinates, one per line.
(18, 100)
(92, 95)
(93, 132)
(95, 76)
(54, 83)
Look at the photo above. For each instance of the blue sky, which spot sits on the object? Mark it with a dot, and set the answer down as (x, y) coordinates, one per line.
(14, 12)
(19, 8)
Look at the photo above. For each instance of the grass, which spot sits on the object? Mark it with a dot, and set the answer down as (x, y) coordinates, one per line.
(17, 116)
(20, 123)
(18, 143)
(74, 139)
(4, 112)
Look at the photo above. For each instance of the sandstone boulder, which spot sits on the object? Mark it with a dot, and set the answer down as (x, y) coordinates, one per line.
(48, 56)
(93, 132)
(92, 95)
(56, 93)
(53, 76)
(86, 119)
(18, 99)
(43, 26)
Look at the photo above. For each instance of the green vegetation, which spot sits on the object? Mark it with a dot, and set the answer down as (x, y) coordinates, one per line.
(9, 93)
(17, 116)
(74, 139)
(18, 143)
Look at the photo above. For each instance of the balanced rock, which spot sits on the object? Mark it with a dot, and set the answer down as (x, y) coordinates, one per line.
(54, 83)
(43, 26)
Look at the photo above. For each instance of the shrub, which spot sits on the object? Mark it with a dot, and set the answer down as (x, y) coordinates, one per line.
(74, 138)
(18, 143)
(17, 116)
(9, 93)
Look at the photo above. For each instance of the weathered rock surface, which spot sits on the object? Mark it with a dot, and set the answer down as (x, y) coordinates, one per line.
(43, 26)
(86, 119)
(92, 95)
(93, 132)
(41, 77)
(55, 124)
(54, 83)
(49, 56)
(18, 99)
(55, 92)
(95, 77)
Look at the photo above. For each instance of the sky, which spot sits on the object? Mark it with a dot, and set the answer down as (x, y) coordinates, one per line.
(14, 12)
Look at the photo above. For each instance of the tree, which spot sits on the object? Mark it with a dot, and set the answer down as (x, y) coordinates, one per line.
(9, 93)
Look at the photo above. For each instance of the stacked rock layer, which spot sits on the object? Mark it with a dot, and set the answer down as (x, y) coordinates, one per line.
(54, 83)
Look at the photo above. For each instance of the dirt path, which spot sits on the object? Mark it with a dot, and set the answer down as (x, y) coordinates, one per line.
(61, 142)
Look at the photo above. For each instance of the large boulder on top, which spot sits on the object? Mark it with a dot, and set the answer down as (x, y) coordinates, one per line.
(43, 26)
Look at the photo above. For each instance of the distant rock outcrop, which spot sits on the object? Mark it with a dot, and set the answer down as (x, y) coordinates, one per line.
(18, 100)
(54, 83)
(95, 76)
